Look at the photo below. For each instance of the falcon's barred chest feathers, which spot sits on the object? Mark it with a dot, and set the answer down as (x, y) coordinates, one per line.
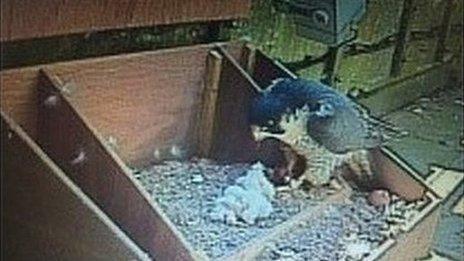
(322, 124)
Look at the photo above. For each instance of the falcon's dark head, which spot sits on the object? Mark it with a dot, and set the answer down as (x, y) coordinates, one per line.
(279, 101)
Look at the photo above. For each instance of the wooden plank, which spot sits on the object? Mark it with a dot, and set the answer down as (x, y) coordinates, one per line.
(77, 148)
(393, 174)
(403, 90)
(145, 102)
(332, 65)
(444, 181)
(401, 38)
(162, 88)
(30, 19)
(208, 112)
(459, 207)
(416, 243)
(432, 256)
(266, 70)
(440, 46)
(18, 94)
(45, 215)
(416, 236)
(380, 21)
(250, 58)
(433, 203)
(233, 141)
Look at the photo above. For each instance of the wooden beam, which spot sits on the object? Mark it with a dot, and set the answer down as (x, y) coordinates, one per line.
(31, 19)
(18, 95)
(233, 141)
(250, 58)
(77, 148)
(398, 92)
(440, 45)
(332, 65)
(162, 88)
(44, 214)
(266, 70)
(416, 243)
(444, 181)
(209, 102)
(393, 174)
(459, 207)
(401, 39)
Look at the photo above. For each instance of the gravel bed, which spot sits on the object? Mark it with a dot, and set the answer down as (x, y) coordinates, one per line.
(187, 192)
(343, 232)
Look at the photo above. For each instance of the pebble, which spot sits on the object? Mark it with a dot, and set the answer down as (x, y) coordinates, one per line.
(459, 102)
(197, 179)
(418, 110)
(357, 250)
(379, 198)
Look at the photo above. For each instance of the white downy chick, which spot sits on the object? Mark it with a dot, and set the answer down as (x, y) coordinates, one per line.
(247, 200)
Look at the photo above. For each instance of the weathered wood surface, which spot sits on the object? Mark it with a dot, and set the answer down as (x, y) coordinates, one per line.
(401, 39)
(266, 70)
(30, 19)
(18, 94)
(415, 244)
(398, 92)
(393, 174)
(233, 139)
(209, 103)
(144, 101)
(45, 215)
(76, 147)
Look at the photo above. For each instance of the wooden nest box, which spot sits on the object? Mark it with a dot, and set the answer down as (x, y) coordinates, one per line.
(71, 131)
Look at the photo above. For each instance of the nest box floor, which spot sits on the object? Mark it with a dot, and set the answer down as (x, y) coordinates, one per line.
(187, 193)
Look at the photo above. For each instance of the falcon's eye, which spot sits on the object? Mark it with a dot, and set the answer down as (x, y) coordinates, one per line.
(324, 109)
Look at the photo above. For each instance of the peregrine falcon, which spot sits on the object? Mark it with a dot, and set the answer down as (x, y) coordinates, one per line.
(319, 122)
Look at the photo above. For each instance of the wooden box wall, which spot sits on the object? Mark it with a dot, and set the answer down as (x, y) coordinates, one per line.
(142, 101)
(45, 215)
(27, 19)
(96, 118)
